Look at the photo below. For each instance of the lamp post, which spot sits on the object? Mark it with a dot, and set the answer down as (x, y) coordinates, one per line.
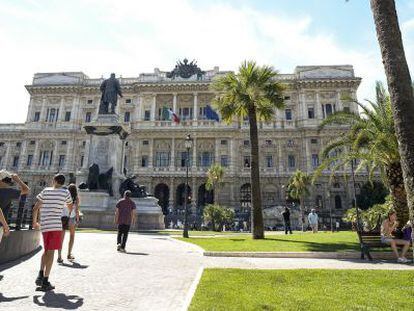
(188, 145)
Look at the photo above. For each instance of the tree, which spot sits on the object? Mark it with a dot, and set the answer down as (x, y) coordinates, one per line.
(399, 87)
(252, 92)
(372, 141)
(218, 216)
(298, 188)
(371, 193)
(215, 176)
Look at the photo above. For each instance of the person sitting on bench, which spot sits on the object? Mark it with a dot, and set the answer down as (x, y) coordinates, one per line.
(387, 227)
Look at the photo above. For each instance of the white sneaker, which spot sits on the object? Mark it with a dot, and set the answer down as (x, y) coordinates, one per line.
(402, 260)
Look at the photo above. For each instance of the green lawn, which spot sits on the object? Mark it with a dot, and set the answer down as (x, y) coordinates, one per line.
(297, 242)
(234, 289)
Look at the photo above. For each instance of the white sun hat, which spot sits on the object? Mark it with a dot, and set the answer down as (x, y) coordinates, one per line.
(4, 174)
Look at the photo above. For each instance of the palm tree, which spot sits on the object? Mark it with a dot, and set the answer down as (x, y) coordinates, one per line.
(298, 188)
(399, 86)
(252, 92)
(215, 175)
(371, 140)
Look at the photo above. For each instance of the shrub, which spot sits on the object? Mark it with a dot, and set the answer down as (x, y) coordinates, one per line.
(218, 216)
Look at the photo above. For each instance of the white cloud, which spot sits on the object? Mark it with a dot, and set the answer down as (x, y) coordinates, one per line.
(130, 37)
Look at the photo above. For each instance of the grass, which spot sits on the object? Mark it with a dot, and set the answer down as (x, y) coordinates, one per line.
(297, 242)
(174, 233)
(234, 289)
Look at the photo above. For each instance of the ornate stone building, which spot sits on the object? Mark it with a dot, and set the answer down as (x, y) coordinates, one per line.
(53, 139)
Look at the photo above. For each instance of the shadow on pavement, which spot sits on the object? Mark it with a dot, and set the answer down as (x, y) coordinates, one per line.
(10, 299)
(58, 300)
(140, 254)
(20, 260)
(74, 265)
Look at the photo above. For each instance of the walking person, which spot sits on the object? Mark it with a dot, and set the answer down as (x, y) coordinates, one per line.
(70, 221)
(50, 203)
(124, 218)
(286, 220)
(313, 220)
(7, 194)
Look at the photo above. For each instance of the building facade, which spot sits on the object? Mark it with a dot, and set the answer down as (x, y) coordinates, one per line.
(53, 139)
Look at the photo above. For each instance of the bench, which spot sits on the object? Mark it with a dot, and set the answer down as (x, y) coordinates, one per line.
(370, 240)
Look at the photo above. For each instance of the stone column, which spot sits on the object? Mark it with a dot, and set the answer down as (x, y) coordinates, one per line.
(217, 153)
(302, 107)
(139, 108)
(7, 155)
(172, 158)
(174, 107)
(307, 164)
(43, 110)
(153, 106)
(194, 166)
(137, 155)
(193, 195)
(36, 154)
(23, 155)
(318, 108)
(30, 112)
(233, 146)
(195, 107)
(172, 195)
(339, 106)
(55, 158)
(69, 155)
(280, 156)
(74, 112)
(61, 115)
(151, 154)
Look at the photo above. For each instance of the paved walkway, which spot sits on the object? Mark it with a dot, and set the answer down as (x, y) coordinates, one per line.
(158, 273)
(155, 274)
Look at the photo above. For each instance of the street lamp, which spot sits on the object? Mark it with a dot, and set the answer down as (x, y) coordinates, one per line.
(188, 145)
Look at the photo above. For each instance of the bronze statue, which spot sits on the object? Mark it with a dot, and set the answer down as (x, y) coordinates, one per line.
(98, 181)
(137, 190)
(110, 89)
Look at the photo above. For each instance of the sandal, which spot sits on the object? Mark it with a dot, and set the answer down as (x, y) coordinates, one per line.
(70, 257)
(59, 260)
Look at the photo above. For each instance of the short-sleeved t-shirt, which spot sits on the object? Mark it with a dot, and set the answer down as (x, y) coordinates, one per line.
(6, 196)
(53, 202)
(125, 206)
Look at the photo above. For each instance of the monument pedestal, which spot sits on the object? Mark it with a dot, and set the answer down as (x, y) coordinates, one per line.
(98, 209)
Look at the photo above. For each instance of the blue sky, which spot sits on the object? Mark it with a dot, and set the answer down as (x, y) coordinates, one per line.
(132, 36)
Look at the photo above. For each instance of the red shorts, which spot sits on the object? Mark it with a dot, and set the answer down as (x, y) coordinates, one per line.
(52, 240)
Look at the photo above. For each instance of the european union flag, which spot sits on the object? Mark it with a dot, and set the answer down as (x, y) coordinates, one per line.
(211, 114)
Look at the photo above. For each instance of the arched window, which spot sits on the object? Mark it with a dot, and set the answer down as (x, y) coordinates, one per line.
(338, 202)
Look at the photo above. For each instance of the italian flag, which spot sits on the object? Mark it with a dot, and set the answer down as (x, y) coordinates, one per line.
(170, 115)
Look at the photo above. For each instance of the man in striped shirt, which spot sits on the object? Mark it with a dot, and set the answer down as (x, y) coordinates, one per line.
(50, 202)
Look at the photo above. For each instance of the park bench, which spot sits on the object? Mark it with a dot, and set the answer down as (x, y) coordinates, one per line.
(370, 240)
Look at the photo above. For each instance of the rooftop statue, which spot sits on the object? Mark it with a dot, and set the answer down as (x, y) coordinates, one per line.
(110, 89)
(186, 70)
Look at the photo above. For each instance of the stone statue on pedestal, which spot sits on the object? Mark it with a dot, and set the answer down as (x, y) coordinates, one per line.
(110, 89)
(98, 181)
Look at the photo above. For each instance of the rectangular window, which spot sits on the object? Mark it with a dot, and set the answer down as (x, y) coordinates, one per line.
(246, 143)
(162, 159)
(64, 142)
(18, 145)
(183, 159)
(45, 157)
(67, 116)
(328, 109)
(145, 142)
(127, 116)
(90, 101)
(81, 160)
(147, 115)
(52, 115)
(314, 141)
(36, 116)
(290, 143)
(61, 160)
(246, 161)
(206, 159)
(291, 161)
(224, 160)
(269, 161)
(15, 161)
(128, 101)
(315, 160)
(223, 142)
(288, 114)
(347, 110)
(88, 117)
(268, 142)
(29, 159)
(311, 113)
(287, 98)
(32, 142)
(144, 161)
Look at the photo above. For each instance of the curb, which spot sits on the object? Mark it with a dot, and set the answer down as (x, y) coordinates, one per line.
(314, 255)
